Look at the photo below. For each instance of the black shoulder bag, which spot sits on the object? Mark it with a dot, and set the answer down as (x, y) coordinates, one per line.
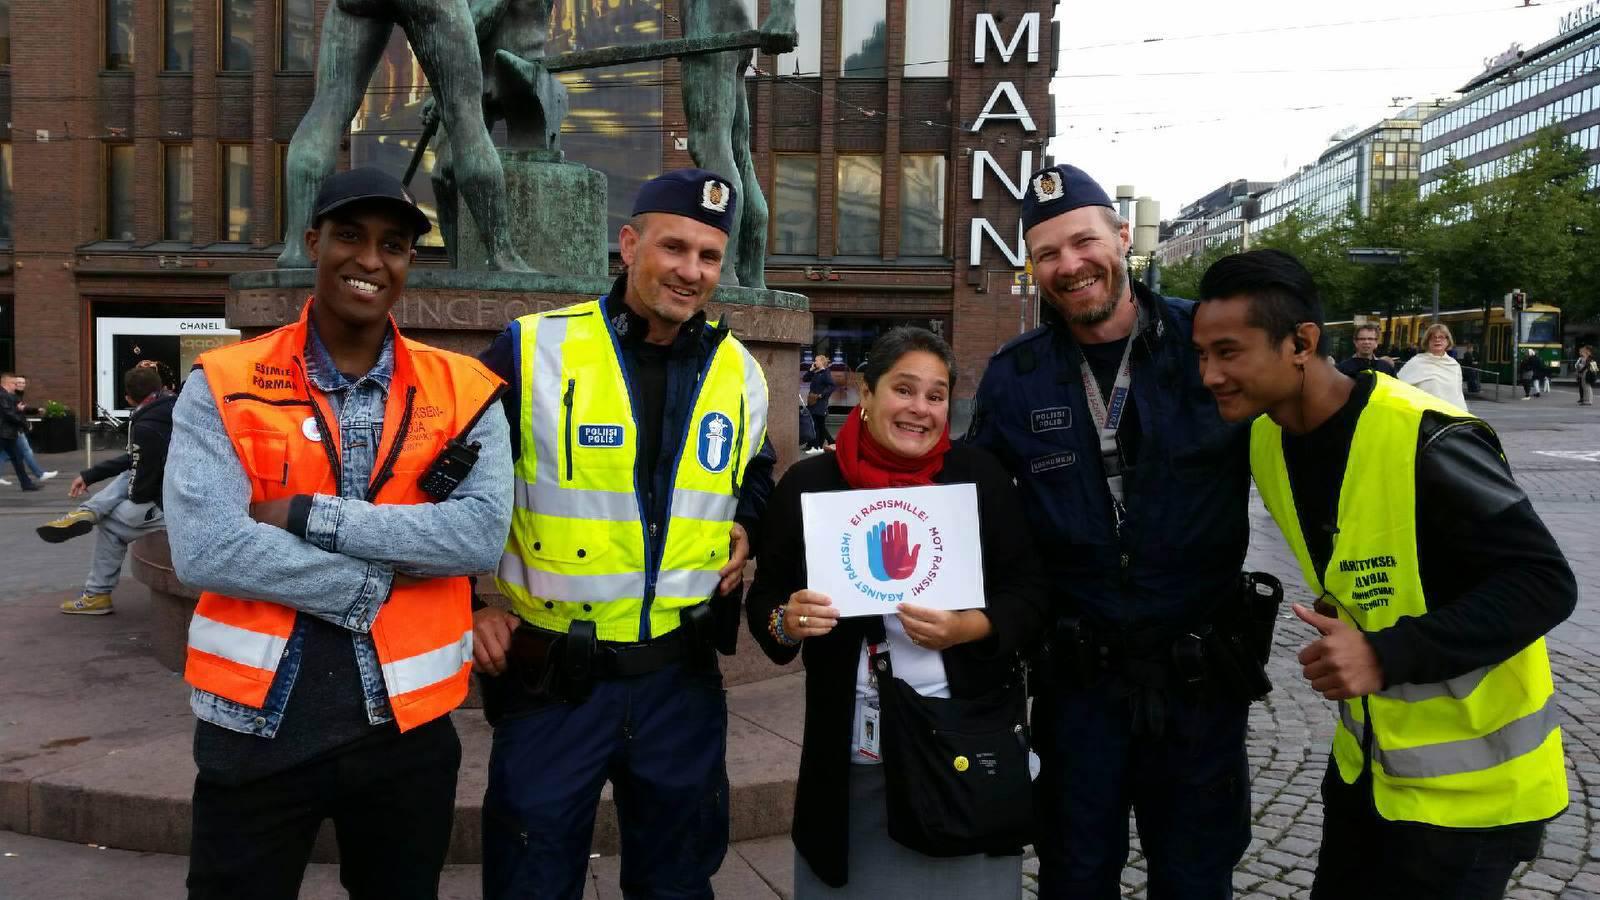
(956, 770)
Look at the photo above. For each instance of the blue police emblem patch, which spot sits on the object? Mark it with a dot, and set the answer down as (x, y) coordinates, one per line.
(714, 441)
(600, 435)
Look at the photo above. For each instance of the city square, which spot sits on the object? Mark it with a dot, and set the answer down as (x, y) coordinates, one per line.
(97, 738)
(501, 425)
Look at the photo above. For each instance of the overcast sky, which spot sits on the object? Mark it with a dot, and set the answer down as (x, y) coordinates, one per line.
(1259, 85)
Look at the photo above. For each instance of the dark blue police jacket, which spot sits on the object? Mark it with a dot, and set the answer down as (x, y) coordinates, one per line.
(1184, 541)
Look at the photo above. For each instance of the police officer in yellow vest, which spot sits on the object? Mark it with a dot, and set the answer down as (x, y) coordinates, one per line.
(1435, 583)
(642, 469)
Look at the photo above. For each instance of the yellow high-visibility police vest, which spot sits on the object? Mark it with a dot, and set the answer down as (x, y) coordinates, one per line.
(1480, 750)
(578, 546)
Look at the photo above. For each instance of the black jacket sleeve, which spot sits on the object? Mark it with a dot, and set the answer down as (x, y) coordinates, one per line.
(10, 415)
(1487, 605)
(755, 491)
(782, 567)
(107, 468)
(501, 358)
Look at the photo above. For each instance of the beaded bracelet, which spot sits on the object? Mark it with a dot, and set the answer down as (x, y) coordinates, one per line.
(775, 628)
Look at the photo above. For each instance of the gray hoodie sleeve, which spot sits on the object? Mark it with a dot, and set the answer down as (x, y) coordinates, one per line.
(216, 546)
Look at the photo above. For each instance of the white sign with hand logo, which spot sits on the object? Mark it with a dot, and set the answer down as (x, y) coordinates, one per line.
(871, 550)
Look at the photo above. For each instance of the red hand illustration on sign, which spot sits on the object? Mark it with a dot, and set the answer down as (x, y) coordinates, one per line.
(897, 560)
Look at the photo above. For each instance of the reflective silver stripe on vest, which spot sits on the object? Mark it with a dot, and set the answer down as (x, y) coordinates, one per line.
(755, 402)
(241, 645)
(548, 498)
(1459, 687)
(687, 583)
(548, 392)
(417, 672)
(1512, 740)
(570, 588)
(604, 588)
(688, 503)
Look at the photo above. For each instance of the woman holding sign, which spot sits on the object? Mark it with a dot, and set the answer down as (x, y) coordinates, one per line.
(913, 775)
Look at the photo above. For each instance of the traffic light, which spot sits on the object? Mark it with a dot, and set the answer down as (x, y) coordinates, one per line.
(1519, 301)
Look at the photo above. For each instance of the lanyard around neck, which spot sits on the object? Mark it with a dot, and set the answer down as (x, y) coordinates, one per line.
(1107, 416)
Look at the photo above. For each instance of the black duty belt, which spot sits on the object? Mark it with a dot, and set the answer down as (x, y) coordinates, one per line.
(614, 659)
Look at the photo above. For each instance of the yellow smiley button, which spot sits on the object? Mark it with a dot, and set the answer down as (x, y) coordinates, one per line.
(961, 764)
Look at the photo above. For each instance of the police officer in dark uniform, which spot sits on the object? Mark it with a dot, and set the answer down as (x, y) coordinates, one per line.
(1136, 491)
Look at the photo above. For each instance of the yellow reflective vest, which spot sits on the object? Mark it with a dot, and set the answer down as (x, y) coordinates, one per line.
(579, 546)
(1480, 750)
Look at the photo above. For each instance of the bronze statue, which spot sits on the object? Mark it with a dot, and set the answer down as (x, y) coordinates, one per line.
(444, 39)
(516, 89)
(718, 113)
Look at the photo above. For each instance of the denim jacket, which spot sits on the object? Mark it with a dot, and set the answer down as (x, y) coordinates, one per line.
(341, 571)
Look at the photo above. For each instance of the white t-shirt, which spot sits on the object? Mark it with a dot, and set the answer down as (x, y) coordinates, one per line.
(919, 667)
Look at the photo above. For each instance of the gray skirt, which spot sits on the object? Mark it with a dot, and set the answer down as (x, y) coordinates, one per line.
(883, 869)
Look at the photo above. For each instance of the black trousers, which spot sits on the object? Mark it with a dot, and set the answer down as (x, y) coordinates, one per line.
(391, 801)
(823, 438)
(1366, 856)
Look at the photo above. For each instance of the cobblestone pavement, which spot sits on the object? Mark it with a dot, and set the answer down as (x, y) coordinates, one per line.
(1552, 445)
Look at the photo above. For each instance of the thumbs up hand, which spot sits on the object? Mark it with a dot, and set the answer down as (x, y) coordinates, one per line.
(1340, 664)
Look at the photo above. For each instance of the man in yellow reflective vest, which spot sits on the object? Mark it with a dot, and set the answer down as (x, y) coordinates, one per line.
(642, 469)
(1435, 583)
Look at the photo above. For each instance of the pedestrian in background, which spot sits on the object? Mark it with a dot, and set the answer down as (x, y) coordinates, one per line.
(897, 437)
(1434, 370)
(1365, 357)
(1469, 368)
(19, 385)
(1528, 373)
(130, 506)
(1587, 370)
(13, 423)
(820, 388)
(1446, 760)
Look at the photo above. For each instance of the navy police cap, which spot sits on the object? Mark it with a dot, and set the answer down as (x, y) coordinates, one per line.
(693, 193)
(1059, 189)
(342, 189)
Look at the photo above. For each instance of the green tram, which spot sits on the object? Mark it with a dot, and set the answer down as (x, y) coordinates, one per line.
(1541, 330)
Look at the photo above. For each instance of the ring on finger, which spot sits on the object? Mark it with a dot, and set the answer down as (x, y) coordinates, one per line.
(803, 620)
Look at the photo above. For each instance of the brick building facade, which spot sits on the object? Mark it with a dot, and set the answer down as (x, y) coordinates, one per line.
(147, 136)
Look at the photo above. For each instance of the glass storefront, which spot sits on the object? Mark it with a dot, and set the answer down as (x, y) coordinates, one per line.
(847, 339)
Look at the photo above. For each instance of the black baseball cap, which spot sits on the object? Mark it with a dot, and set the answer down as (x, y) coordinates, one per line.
(367, 183)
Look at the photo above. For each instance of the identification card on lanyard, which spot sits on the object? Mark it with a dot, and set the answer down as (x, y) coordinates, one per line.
(869, 731)
(1108, 418)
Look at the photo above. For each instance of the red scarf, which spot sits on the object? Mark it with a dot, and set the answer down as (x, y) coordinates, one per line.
(865, 463)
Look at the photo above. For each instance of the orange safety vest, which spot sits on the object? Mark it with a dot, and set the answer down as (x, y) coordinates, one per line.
(288, 441)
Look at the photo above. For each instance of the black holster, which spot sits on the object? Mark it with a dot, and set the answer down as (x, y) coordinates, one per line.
(1238, 644)
(544, 667)
(1070, 654)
